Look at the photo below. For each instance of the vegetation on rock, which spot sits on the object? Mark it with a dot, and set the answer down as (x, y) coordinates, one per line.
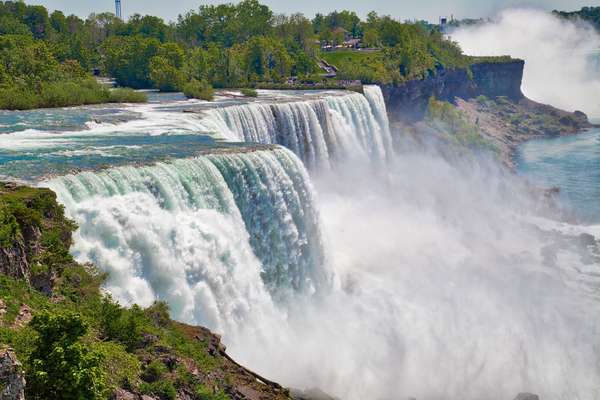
(80, 343)
(589, 14)
(446, 118)
(249, 92)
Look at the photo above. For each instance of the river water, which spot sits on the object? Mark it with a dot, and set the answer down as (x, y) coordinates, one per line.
(571, 163)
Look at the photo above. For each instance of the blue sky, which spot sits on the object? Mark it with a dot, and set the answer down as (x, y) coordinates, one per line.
(403, 9)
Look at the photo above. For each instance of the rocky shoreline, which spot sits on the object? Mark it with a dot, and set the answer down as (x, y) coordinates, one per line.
(489, 96)
(507, 123)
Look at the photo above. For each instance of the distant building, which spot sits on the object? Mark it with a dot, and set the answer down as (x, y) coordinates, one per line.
(118, 9)
(443, 24)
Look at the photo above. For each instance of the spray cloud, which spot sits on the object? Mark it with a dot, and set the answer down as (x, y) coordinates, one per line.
(560, 68)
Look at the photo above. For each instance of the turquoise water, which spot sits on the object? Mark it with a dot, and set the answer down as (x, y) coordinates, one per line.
(571, 163)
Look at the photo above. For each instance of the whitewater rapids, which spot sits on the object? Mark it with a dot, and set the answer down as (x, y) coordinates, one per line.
(422, 279)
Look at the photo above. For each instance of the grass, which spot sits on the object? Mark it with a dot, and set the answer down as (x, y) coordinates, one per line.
(446, 118)
(367, 67)
(490, 59)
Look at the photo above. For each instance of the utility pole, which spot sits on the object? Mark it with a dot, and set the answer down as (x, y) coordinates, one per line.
(118, 9)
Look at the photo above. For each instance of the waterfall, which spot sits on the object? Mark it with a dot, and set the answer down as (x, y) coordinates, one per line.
(200, 233)
(319, 131)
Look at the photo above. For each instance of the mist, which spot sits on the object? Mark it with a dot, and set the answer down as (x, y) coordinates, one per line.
(559, 69)
(445, 289)
(437, 277)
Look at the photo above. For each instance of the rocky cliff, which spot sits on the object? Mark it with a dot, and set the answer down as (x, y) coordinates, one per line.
(131, 353)
(408, 102)
(488, 98)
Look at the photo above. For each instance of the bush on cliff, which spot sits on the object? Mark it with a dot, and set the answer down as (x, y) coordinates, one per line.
(61, 366)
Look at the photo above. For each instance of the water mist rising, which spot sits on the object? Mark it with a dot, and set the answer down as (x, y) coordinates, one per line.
(559, 69)
(443, 286)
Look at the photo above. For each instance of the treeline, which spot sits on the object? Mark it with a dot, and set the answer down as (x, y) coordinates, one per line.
(227, 45)
(31, 77)
(589, 14)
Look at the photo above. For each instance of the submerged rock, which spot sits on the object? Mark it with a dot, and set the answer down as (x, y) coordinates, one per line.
(12, 377)
(527, 396)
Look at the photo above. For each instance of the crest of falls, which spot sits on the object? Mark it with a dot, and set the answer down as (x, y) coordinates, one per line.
(319, 131)
(200, 233)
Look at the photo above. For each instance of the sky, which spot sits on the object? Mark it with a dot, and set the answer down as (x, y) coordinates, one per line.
(403, 9)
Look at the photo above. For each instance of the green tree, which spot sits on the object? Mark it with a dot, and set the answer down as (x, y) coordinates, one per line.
(61, 366)
(9, 25)
(127, 59)
(165, 76)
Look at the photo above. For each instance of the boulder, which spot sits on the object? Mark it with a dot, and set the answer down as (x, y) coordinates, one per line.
(12, 377)
(122, 394)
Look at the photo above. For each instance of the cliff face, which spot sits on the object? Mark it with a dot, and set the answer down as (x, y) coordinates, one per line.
(408, 102)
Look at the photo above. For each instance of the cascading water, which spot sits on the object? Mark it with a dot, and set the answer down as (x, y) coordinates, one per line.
(337, 127)
(199, 233)
(445, 285)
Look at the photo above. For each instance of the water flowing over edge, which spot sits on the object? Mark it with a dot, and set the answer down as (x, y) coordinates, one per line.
(321, 132)
(215, 236)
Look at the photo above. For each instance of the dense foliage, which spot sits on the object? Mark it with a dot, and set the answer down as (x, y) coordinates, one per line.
(61, 366)
(226, 45)
(32, 77)
(589, 14)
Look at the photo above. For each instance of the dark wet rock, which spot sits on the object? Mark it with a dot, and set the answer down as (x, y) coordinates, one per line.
(408, 101)
(527, 396)
(310, 394)
(12, 377)
(585, 239)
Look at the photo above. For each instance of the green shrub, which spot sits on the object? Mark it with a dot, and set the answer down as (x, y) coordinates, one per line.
(126, 95)
(204, 393)
(61, 366)
(199, 90)
(249, 92)
(8, 226)
(482, 100)
(164, 389)
(154, 371)
(122, 368)
(17, 98)
(126, 326)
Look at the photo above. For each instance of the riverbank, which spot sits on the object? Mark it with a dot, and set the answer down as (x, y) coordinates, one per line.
(507, 123)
